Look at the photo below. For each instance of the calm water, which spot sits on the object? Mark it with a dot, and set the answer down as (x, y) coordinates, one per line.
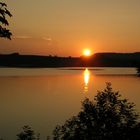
(43, 98)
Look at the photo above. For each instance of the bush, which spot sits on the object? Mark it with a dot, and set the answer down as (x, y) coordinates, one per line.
(106, 117)
(27, 134)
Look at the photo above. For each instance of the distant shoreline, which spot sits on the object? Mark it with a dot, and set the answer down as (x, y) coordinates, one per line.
(16, 60)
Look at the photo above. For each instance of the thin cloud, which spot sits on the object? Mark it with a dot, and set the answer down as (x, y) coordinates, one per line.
(22, 37)
(47, 38)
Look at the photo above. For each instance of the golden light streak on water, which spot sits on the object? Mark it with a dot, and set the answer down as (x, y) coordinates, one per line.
(86, 79)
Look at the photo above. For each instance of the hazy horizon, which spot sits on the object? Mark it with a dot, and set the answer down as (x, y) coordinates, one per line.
(9, 53)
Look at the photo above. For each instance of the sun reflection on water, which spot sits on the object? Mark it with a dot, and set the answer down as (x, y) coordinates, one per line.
(86, 79)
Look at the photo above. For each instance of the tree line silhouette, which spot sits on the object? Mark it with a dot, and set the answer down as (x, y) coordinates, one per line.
(97, 60)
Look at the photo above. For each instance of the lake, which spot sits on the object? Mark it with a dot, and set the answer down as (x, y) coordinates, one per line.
(43, 98)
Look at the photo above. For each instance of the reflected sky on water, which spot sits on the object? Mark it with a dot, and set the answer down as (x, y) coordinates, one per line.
(44, 98)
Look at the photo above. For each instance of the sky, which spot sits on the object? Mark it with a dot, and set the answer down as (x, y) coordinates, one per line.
(66, 27)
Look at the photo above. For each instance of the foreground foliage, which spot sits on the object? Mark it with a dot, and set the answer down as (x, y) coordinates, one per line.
(4, 12)
(106, 117)
(138, 72)
(27, 134)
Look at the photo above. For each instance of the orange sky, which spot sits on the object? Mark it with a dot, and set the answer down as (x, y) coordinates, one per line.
(66, 27)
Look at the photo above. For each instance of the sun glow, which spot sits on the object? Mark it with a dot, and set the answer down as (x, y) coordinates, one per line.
(87, 52)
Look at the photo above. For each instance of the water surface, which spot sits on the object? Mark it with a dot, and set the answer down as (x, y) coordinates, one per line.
(44, 98)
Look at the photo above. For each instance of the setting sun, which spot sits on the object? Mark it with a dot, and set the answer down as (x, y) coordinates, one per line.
(87, 52)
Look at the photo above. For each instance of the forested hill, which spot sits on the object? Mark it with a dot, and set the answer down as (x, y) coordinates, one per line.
(97, 60)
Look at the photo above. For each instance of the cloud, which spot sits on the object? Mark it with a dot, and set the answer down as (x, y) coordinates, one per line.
(47, 38)
(22, 37)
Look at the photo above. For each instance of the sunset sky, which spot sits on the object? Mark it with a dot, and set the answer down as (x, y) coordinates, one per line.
(66, 27)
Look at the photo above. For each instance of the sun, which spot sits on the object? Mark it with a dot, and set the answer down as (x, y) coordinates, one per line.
(87, 52)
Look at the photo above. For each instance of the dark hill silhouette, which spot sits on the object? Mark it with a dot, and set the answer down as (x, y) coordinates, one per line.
(97, 60)
(116, 59)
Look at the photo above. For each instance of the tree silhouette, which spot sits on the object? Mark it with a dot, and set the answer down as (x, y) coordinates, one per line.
(27, 134)
(4, 32)
(138, 71)
(106, 117)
